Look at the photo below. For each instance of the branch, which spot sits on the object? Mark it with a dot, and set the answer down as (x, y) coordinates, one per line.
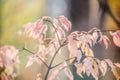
(63, 61)
(37, 56)
(51, 62)
(57, 52)
(107, 30)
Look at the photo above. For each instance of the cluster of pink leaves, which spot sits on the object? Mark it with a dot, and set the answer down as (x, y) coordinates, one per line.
(79, 44)
(116, 37)
(8, 59)
(38, 29)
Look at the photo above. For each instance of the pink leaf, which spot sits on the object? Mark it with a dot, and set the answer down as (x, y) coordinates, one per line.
(105, 41)
(116, 37)
(53, 75)
(109, 62)
(79, 68)
(30, 61)
(88, 62)
(38, 77)
(116, 41)
(95, 37)
(103, 67)
(28, 28)
(55, 72)
(65, 22)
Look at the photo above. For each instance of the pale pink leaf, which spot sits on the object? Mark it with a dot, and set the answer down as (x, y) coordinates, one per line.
(109, 62)
(95, 72)
(55, 72)
(38, 77)
(78, 55)
(65, 23)
(32, 59)
(69, 73)
(103, 67)
(28, 28)
(79, 68)
(88, 62)
(105, 41)
(116, 41)
(90, 40)
(115, 73)
(30, 62)
(8, 56)
(116, 37)
(117, 64)
(59, 31)
(53, 75)
(95, 37)
(73, 47)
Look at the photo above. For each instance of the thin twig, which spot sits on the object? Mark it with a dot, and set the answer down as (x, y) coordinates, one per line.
(37, 56)
(63, 61)
(107, 30)
(51, 62)
(47, 73)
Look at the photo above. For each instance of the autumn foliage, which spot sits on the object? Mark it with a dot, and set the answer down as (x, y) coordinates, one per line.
(79, 46)
(9, 61)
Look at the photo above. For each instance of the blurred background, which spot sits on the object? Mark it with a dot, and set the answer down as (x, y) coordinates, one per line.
(84, 14)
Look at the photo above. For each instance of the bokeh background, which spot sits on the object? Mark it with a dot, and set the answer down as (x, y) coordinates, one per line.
(84, 15)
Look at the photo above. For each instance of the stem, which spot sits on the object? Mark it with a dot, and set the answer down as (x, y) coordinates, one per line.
(37, 56)
(62, 62)
(51, 62)
(47, 73)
